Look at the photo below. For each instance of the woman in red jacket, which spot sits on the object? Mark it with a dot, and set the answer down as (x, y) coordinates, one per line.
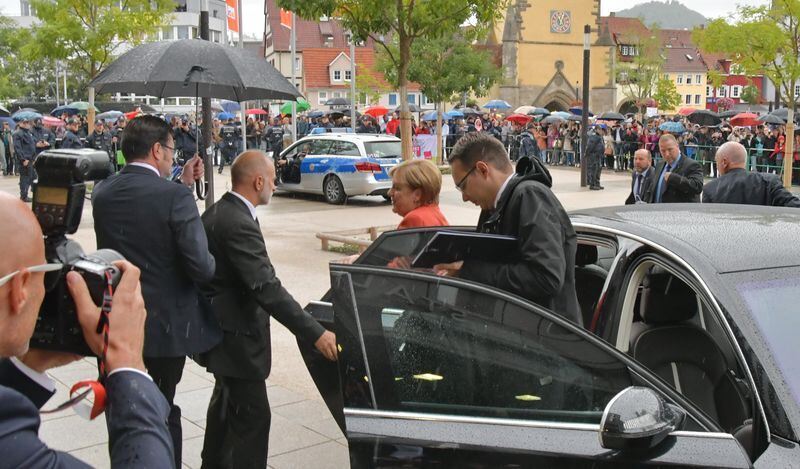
(780, 147)
(415, 194)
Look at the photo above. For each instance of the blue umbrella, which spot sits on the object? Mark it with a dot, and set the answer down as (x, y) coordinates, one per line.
(578, 111)
(315, 114)
(64, 109)
(672, 127)
(497, 104)
(110, 115)
(430, 116)
(223, 116)
(563, 115)
(10, 121)
(26, 115)
(230, 106)
(453, 114)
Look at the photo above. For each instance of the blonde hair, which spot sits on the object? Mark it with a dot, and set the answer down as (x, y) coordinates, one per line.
(422, 175)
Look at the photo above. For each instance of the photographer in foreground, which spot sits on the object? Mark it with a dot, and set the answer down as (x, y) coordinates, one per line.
(136, 412)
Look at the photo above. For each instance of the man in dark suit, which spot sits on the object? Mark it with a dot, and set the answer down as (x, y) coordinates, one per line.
(678, 178)
(735, 185)
(642, 180)
(155, 224)
(135, 411)
(244, 293)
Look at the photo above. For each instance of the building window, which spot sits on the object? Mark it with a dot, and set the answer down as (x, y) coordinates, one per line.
(688, 79)
(323, 96)
(797, 90)
(297, 64)
(214, 13)
(337, 75)
(412, 98)
(166, 33)
(697, 99)
(736, 91)
(171, 102)
(183, 32)
(425, 101)
(688, 99)
(721, 92)
(347, 76)
(392, 99)
(624, 50)
(709, 91)
(698, 79)
(680, 79)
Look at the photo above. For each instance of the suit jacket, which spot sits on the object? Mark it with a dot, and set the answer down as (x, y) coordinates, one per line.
(685, 181)
(646, 191)
(245, 292)
(544, 271)
(155, 224)
(738, 186)
(136, 413)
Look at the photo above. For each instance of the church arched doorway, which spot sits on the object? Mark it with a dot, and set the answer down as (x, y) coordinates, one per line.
(628, 107)
(554, 106)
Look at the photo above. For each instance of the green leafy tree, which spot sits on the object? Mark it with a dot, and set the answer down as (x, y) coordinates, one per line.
(666, 95)
(368, 87)
(639, 77)
(88, 35)
(403, 22)
(751, 95)
(445, 68)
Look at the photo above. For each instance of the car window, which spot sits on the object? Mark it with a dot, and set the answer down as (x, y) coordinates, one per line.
(384, 149)
(342, 148)
(320, 147)
(446, 346)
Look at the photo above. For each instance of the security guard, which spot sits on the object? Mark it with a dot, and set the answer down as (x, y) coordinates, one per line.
(100, 139)
(231, 136)
(71, 140)
(25, 151)
(44, 139)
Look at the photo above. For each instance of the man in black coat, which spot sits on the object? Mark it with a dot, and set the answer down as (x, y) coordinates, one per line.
(522, 206)
(155, 224)
(135, 410)
(678, 178)
(642, 178)
(735, 185)
(595, 149)
(25, 152)
(71, 140)
(245, 292)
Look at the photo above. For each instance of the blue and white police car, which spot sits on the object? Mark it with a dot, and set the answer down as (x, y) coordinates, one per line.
(338, 165)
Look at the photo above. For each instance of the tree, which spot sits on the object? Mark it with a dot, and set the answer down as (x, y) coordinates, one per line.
(445, 67)
(403, 22)
(666, 95)
(751, 95)
(639, 77)
(368, 87)
(88, 35)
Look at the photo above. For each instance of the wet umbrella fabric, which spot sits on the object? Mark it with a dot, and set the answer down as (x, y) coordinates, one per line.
(110, 115)
(745, 119)
(611, 116)
(411, 108)
(4, 112)
(497, 104)
(337, 102)
(704, 117)
(552, 119)
(727, 114)
(25, 115)
(672, 127)
(194, 67)
(230, 106)
(67, 109)
(771, 119)
(539, 111)
(223, 116)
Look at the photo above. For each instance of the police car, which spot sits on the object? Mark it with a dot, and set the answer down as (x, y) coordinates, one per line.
(338, 165)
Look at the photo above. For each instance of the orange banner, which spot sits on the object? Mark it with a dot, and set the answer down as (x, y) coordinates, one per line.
(286, 18)
(233, 15)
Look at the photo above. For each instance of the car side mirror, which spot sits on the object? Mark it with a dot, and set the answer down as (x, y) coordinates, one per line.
(638, 419)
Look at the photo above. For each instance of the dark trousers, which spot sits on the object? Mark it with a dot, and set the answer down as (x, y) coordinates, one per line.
(10, 163)
(166, 373)
(237, 425)
(26, 177)
(593, 170)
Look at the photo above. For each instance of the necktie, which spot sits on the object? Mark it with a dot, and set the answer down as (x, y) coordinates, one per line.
(638, 186)
(661, 186)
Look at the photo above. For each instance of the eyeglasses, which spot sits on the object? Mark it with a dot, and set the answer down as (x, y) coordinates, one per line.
(460, 184)
(36, 268)
(172, 149)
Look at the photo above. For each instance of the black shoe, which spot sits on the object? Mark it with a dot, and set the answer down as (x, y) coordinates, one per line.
(599, 188)
(593, 188)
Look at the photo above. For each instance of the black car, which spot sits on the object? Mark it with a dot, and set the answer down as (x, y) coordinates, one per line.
(688, 355)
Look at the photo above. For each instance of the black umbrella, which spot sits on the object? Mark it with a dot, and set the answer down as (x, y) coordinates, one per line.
(704, 117)
(337, 102)
(194, 67)
(468, 111)
(771, 119)
(4, 112)
(411, 108)
(611, 116)
(574, 118)
(726, 114)
(342, 112)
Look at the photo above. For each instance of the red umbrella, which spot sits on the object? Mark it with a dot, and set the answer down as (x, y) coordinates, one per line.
(255, 112)
(132, 114)
(685, 111)
(519, 119)
(745, 119)
(376, 111)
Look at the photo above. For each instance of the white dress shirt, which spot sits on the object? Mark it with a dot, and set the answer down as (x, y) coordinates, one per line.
(249, 205)
(142, 164)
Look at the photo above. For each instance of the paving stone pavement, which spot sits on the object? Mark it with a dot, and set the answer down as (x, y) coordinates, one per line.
(303, 433)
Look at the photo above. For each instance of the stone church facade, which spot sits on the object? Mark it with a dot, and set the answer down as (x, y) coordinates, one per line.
(542, 54)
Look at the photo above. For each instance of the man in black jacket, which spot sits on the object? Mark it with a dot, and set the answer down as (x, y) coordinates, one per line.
(155, 224)
(594, 159)
(135, 410)
(244, 293)
(737, 186)
(522, 206)
(678, 178)
(642, 178)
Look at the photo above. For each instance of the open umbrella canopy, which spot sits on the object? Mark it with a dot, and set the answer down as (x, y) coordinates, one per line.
(685, 111)
(301, 104)
(704, 117)
(524, 109)
(453, 114)
(4, 112)
(65, 109)
(230, 106)
(315, 114)
(10, 121)
(411, 108)
(110, 115)
(497, 104)
(337, 102)
(539, 111)
(745, 119)
(196, 67)
(519, 119)
(431, 116)
(376, 111)
(575, 118)
(343, 112)
(22, 115)
(611, 116)
(672, 127)
(771, 119)
(553, 119)
(81, 106)
(260, 112)
(223, 116)
(468, 111)
(578, 111)
(52, 121)
(563, 115)
(727, 114)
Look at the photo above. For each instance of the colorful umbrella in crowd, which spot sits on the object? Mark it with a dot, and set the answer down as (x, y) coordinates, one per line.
(685, 111)
(301, 104)
(52, 121)
(230, 106)
(110, 115)
(223, 116)
(524, 109)
(261, 112)
(745, 119)
(704, 117)
(539, 111)
(553, 119)
(519, 119)
(454, 113)
(376, 111)
(578, 111)
(497, 104)
(25, 115)
(81, 106)
(672, 127)
(562, 114)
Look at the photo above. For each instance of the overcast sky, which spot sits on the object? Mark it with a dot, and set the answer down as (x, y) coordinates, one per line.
(254, 16)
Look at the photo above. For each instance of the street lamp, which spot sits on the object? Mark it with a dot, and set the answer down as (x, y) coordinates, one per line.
(587, 30)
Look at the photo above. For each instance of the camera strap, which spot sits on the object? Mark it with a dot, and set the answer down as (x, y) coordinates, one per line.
(82, 389)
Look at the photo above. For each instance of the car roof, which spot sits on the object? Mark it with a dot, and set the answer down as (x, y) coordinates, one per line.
(354, 137)
(731, 238)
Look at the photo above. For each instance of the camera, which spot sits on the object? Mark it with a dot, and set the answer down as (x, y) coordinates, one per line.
(58, 197)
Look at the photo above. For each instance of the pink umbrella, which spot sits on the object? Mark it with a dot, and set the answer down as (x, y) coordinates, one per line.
(255, 112)
(52, 121)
